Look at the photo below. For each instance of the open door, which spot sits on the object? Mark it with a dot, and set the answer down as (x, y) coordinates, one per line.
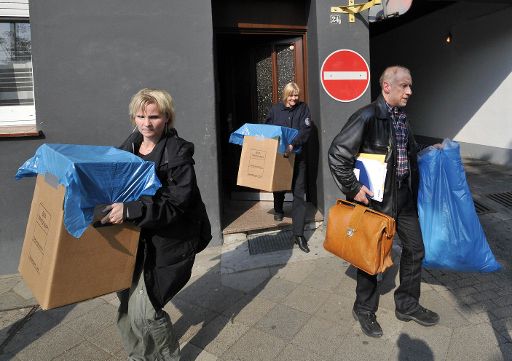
(251, 73)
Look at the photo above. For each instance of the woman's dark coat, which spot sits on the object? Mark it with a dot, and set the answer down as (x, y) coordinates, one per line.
(174, 224)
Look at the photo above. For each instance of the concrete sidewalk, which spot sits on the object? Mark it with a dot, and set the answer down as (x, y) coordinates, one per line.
(288, 305)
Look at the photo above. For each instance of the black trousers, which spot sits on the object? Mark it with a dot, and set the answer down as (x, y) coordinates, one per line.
(407, 295)
(299, 191)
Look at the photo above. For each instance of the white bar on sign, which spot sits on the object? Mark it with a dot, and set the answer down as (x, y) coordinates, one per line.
(345, 75)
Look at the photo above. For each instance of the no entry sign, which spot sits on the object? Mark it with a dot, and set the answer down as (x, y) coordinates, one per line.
(345, 75)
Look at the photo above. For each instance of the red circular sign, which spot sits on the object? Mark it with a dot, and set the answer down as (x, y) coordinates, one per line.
(345, 75)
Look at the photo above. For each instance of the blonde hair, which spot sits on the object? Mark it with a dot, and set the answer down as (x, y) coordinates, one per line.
(161, 98)
(289, 89)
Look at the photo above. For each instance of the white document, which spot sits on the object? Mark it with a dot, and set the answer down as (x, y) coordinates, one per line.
(371, 171)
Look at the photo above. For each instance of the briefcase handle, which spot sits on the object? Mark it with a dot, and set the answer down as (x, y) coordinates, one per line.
(360, 210)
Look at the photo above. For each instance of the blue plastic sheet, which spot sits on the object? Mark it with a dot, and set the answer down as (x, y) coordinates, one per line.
(284, 134)
(92, 175)
(452, 233)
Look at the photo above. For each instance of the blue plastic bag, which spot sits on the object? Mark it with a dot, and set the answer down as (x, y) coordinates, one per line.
(452, 233)
(284, 134)
(92, 175)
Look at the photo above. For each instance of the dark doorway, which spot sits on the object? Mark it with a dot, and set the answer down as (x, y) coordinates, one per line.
(251, 71)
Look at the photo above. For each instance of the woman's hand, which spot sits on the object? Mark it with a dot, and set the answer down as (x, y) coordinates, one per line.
(289, 149)
(114, 215)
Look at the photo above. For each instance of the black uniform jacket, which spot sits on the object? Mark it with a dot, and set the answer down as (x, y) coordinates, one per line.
(174, 224)
(298, 117)
(370, 130)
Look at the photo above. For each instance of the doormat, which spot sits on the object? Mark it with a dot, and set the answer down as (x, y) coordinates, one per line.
(273, 242)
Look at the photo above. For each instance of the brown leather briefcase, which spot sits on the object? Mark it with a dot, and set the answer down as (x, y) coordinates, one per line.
(361, 236)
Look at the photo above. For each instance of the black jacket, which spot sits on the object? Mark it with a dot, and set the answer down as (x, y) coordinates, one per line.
(370, 130)
(174, 224)
(297, 117)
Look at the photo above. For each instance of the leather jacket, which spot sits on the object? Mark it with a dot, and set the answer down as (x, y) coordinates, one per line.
(370, 130)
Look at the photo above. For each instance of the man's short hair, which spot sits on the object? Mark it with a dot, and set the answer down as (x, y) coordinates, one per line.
(159, 97)
(390, 73)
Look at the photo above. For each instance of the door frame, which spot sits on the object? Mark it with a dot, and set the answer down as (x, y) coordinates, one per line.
(274, 29)
(262, 29)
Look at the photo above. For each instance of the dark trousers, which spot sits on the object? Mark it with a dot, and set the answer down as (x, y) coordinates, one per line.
(407, 295)
(298, 190)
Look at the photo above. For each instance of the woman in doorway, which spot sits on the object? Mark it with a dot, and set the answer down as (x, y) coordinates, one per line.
(174, 227)
(292, 113)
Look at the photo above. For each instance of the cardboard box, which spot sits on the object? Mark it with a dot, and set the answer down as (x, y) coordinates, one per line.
(262, 167)
(60, 269)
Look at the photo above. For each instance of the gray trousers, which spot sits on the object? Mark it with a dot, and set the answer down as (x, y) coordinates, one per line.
(147, 333)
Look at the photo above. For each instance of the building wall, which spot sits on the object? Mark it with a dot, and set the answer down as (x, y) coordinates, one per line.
(89, 59)
(462, 89)
(329, 114)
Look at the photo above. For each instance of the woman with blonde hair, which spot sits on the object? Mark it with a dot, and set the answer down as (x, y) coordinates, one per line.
(293, 113)
(174, 227)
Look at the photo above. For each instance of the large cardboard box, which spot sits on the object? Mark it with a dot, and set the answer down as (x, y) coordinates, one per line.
(262, 167)
(60, 269)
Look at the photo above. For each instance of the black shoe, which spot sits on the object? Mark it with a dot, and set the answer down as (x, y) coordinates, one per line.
(302, 243)
(368, 322)
(423, 316)
(278, 216)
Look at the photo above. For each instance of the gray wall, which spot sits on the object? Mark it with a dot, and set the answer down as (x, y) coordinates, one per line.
(89, 58)
(462, 90)
(331, 115)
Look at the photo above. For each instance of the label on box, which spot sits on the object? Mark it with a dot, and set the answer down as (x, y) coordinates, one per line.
(256, 163)
(39, 237)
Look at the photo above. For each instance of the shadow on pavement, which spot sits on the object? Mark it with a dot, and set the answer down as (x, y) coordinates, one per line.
(213, 301)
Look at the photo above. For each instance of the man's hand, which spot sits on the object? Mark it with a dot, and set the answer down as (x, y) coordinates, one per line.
(361, 195)
(114, 215)
(438, 146)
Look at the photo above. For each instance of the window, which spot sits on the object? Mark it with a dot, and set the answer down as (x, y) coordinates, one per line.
(17, 111)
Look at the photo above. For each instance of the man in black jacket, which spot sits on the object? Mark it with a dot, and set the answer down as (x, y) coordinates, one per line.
(382, 128)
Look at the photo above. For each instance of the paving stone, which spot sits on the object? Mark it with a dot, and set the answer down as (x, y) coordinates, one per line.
(246, 281)
(41, 346)
(7, 283)
(325, 277)
(249, 310)
(293, 272)
(208, 292)
(478, 342)
(435, 340)
(306, 299)
(255, 345)
(218, 335)
(449, 317)
(191, 352)
(358, 347)
(108, 339)
(275, 290)
(69, 313)
(97, 319)
(484, 296)
(336, 309)
(187, 318)
(283, 322)
(504, 301)
(322, 337)
(11, 300)
(502, 312)
(297, 353)
(84, 351)
(23, 291)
